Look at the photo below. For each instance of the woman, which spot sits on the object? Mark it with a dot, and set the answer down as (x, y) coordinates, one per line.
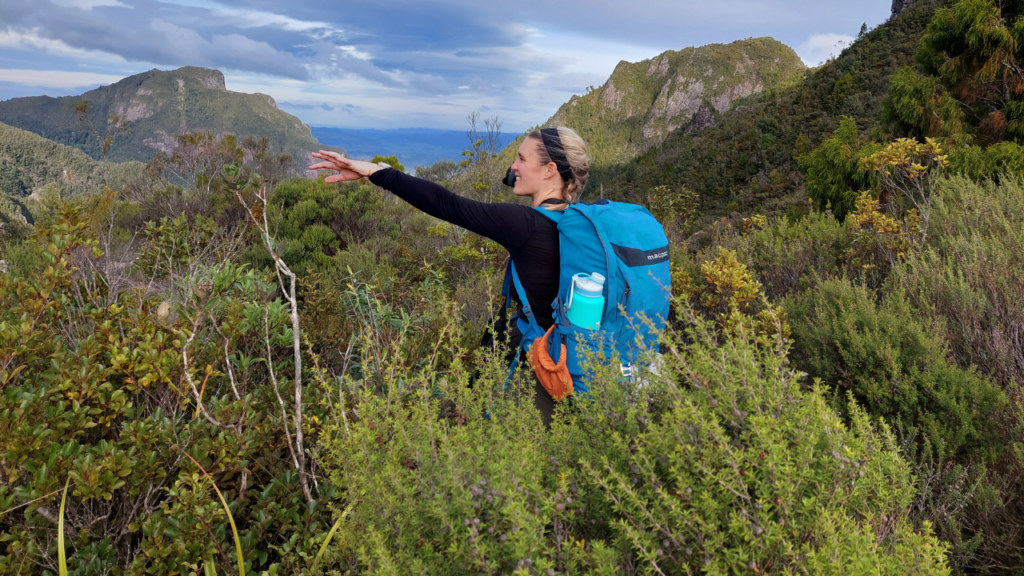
(551, 169)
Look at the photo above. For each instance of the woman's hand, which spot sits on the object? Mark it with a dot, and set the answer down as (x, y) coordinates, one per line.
(347, 169)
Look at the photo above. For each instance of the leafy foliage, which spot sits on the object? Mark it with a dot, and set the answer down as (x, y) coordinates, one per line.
(977, 48)
(895, 367)
(94, 388)
(919, 107)
(970, 275)
(834, 173)
(992, 163)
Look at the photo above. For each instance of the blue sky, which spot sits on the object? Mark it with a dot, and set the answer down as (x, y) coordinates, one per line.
(402, 63)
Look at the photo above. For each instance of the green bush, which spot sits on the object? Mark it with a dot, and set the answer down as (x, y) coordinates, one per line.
(790, 257)
(720, 463)
(315, 220)
(895, 366)
(916, 106)
(970, 278)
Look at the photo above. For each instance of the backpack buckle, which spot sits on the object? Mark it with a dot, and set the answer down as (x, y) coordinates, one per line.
(627, 370)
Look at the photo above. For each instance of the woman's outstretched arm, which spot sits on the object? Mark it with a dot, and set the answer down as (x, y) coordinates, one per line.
(507, 224)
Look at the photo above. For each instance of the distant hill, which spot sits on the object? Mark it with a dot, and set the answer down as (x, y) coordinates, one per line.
(643, 102)
(413, 146)
(156, 106)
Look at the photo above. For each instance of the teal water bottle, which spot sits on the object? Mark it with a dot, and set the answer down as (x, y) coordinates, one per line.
(586, 301)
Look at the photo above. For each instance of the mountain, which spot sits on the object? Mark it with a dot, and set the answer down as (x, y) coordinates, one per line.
(155, 107)
(643, 102)
(413, 146)
(749, 160)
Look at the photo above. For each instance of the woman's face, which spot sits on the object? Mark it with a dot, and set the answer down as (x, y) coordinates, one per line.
(532, 177)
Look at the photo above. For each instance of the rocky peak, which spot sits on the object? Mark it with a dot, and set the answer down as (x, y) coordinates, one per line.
(899, 6)
(208, 77)
(642, 103)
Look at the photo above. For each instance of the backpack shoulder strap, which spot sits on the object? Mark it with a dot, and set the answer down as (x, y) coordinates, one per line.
(518, 286)
(512, 282)
(611, 279)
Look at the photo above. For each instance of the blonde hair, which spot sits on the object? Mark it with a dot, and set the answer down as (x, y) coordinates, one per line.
(576, 154)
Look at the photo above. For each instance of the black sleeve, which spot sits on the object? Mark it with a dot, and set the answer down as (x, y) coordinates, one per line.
(507, 224)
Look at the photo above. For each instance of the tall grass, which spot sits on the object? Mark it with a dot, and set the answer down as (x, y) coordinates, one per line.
(231, 519)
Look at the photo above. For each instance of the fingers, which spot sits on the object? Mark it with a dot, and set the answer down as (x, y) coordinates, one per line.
(332, 156)
(348, 169)
(324, 166)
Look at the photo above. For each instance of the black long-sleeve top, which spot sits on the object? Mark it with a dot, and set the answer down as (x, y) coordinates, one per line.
(530, 237)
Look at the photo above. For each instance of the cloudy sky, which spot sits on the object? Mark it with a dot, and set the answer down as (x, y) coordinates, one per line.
(402, 63)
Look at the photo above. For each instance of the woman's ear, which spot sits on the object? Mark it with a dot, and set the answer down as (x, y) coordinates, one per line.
(550, 170)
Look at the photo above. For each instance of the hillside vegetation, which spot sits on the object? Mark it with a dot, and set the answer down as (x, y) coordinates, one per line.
(352, 425)
(688, 90)
(142, 114)
(29, 162)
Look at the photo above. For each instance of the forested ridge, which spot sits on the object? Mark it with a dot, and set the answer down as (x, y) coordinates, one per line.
(235, 369)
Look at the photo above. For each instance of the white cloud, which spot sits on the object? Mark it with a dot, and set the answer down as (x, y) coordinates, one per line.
(31, 40)
(820, 47)
(354, 52)
(88, 4)
(243, 17)
(259, 19)
(56, 78)
(228, 50)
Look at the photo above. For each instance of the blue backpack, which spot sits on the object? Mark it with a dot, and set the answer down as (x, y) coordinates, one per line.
(626, 244)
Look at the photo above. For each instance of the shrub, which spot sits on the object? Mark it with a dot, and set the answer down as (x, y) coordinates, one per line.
(95, 386)
(712, 468)
(789, 257)
(726, 292)
(969, 280)
(895, 366)
(719, 463)
(971, 276)
(315, 220)
(918, 107)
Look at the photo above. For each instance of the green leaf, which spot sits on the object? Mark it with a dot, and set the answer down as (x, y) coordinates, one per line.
(62, 561)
